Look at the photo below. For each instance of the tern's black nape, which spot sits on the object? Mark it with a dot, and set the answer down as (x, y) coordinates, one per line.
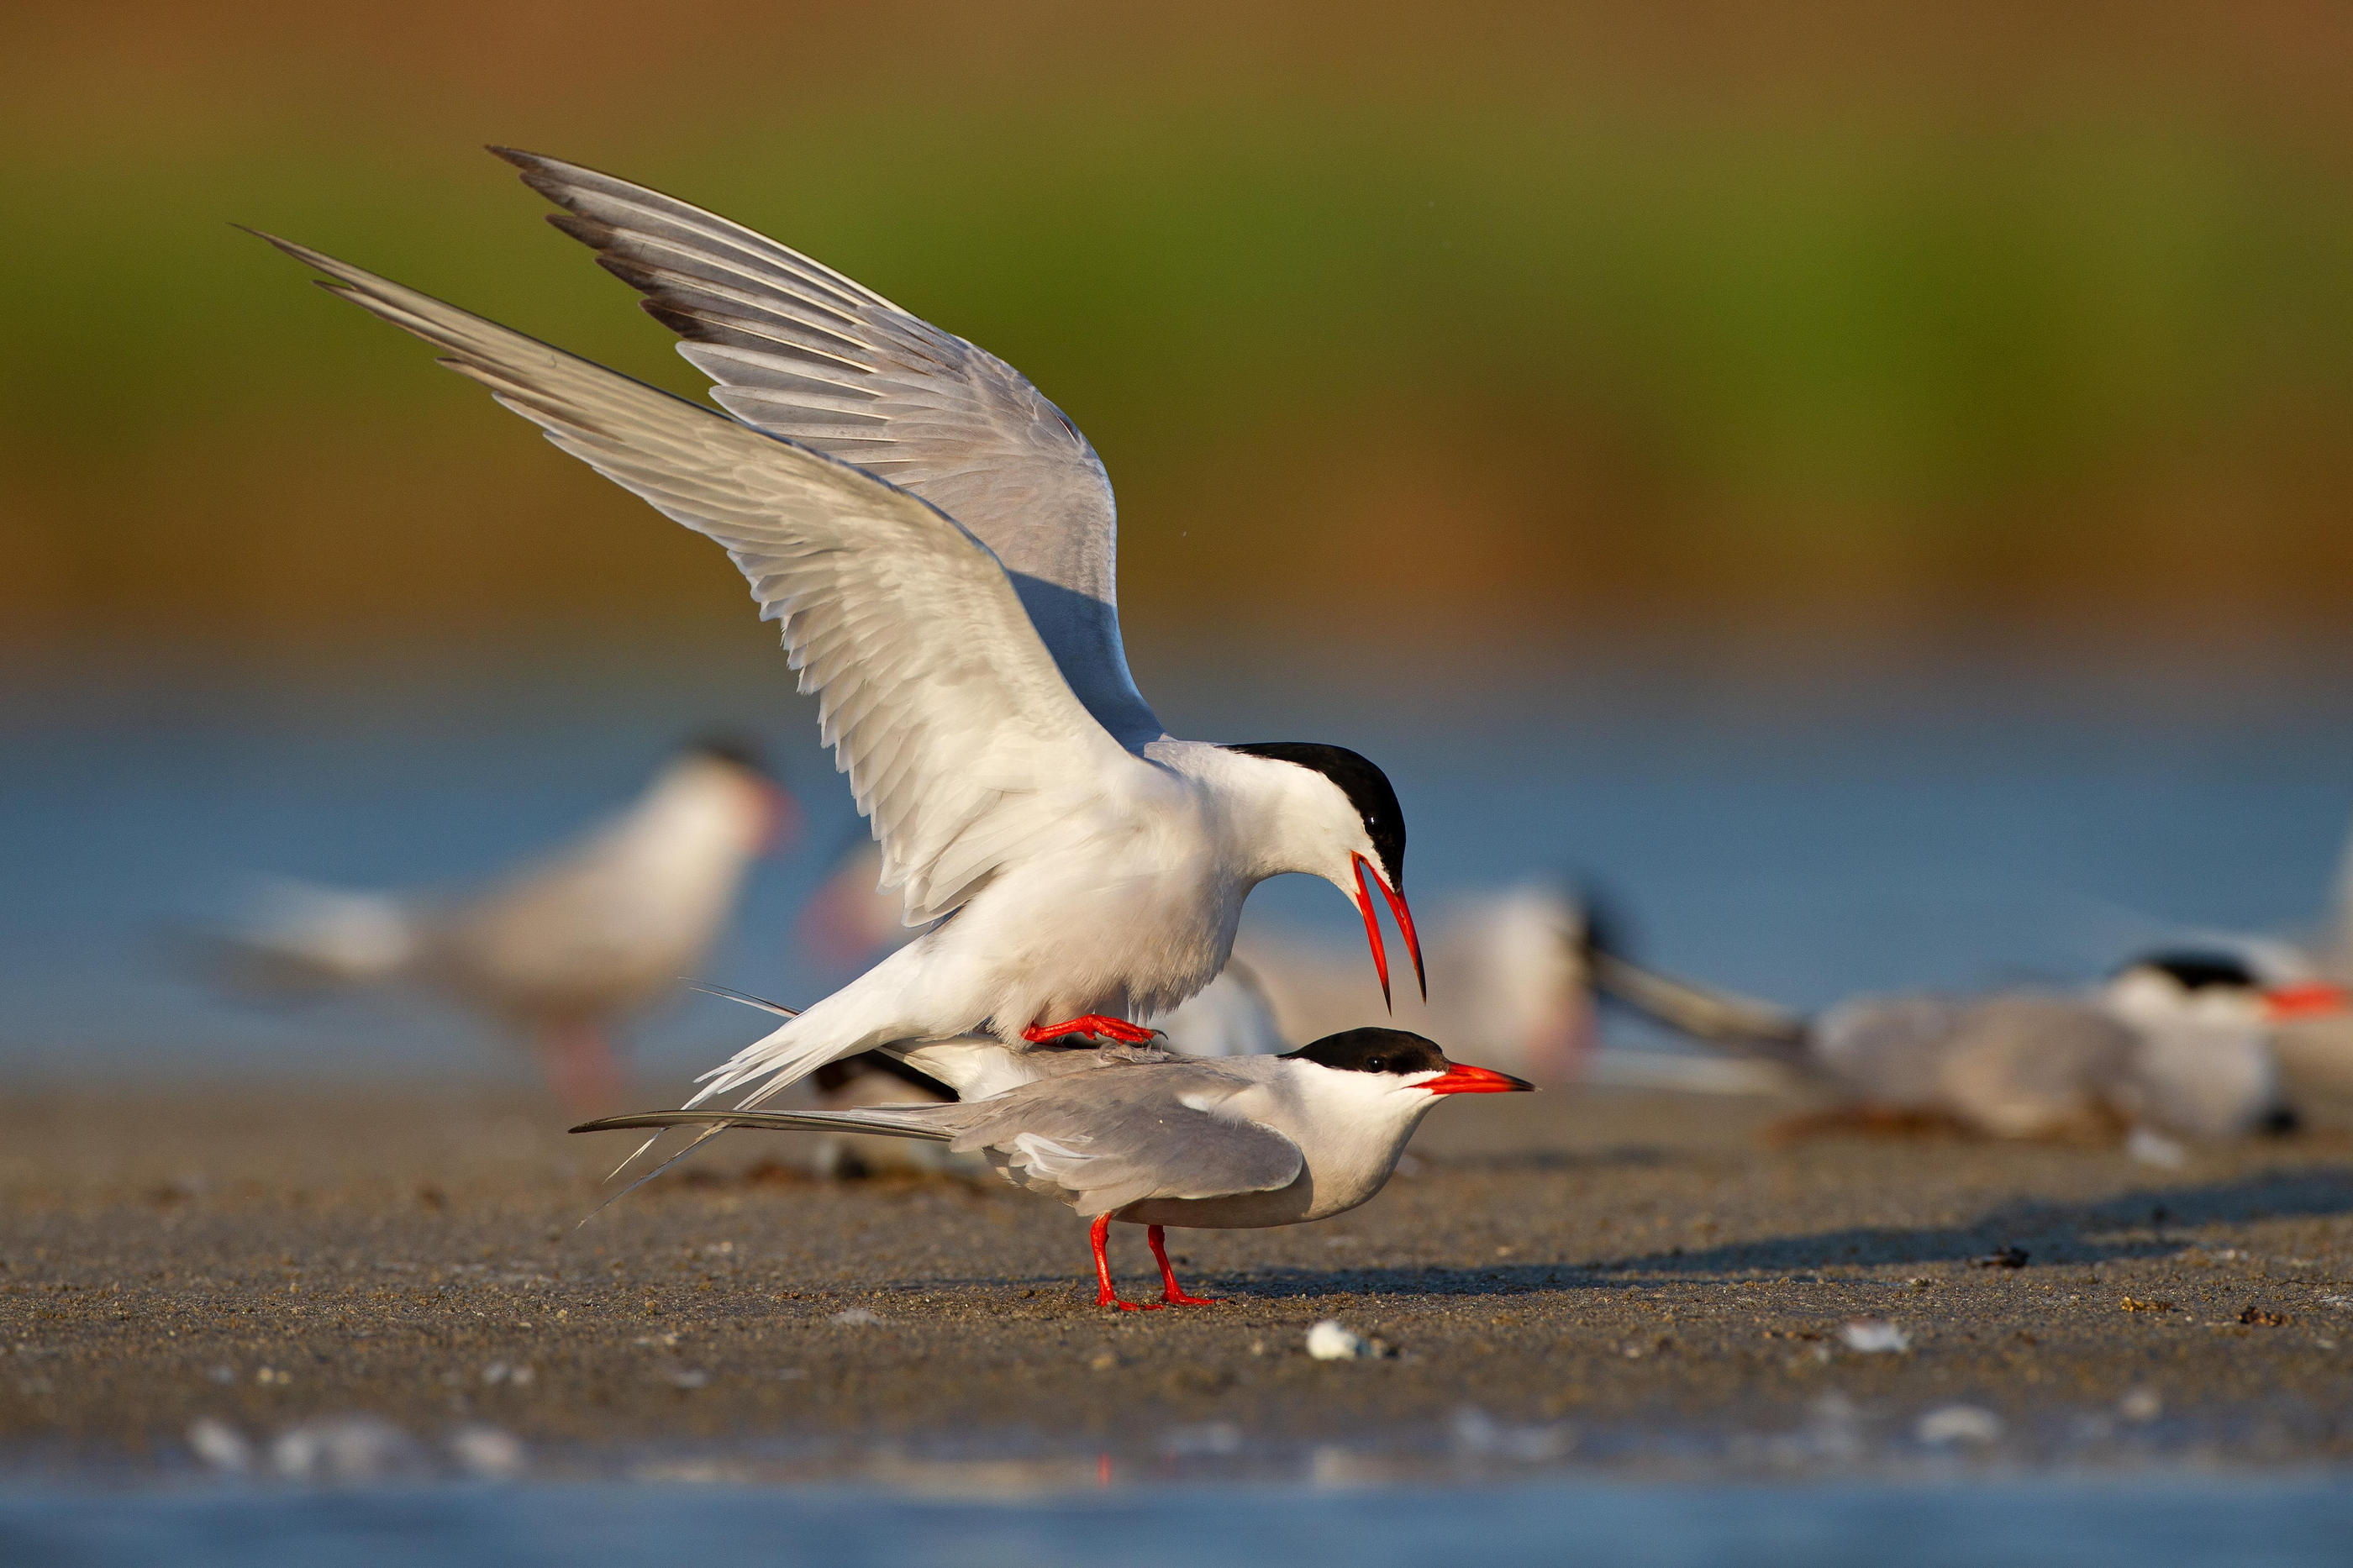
(1367, 787)
(726, 748)
(1373, 1050)
(2200, 970)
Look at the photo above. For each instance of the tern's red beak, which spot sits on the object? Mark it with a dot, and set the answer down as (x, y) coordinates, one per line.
(2310, 999)
(1460, 1080)
(1365, 877)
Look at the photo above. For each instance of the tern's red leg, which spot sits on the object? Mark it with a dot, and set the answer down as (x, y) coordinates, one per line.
(1118, 1029)
(1104, 1295)
(581, 1067)
(1171, 1293)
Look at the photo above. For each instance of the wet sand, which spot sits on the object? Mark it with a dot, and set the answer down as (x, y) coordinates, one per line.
(1598, 1276)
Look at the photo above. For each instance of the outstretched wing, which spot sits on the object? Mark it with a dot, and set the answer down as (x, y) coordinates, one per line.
(1101, 1140)
(800, 351)
(962, 740)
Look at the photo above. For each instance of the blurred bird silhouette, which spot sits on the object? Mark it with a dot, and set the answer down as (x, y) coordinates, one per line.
(558, 950)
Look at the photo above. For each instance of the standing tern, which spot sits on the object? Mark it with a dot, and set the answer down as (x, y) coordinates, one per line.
(561, 949)
(1149, 1138)
(936, 540)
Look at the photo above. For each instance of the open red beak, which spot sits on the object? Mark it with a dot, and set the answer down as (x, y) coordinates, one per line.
(1403, 915)
(2311, 999)
(1460, 1080)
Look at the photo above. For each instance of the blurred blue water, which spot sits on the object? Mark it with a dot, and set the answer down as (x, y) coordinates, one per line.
(2141, 1523)
(1798, 846)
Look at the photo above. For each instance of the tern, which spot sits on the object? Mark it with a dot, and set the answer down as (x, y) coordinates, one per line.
(561, 949)
(2177, 1042)
(1146, 1137)
(851, 921)
(937, 541)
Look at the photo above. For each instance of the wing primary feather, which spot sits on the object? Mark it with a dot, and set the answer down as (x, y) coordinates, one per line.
(762, 1003)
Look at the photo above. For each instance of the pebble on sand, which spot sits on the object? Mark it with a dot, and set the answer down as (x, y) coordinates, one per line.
(857, 1318)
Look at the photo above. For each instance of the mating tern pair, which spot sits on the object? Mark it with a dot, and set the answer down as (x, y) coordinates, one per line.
(558, 950)
(937, 541)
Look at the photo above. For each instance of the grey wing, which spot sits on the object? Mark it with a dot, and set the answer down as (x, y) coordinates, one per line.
(1102, 1140)
(800, 351)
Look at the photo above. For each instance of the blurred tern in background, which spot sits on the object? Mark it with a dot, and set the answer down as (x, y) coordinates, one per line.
(2174, 1044)
(937, 541)
(560, 950)
(1149, 1138)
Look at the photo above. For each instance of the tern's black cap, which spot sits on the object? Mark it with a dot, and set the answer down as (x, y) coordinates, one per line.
(1373, 1050)
(1367, 787)
(2199, 971)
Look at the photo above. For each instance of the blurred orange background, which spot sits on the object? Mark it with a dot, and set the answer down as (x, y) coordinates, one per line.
(1819, 334)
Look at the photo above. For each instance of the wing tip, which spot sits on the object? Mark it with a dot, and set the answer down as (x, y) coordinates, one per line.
(301, 253)
(523, 159)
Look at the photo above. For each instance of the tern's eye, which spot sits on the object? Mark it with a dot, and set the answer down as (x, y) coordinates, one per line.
(1376, 1064)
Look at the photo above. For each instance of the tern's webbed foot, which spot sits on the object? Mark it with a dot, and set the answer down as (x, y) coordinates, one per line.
(1095, 1024)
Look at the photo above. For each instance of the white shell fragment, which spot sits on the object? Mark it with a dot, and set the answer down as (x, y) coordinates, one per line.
(488, 1453)
(1950, 1424)
(1874, 1336)
(1330, 1341)
(220, 1446)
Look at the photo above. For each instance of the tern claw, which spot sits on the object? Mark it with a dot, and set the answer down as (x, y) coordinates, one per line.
(1118, 1029)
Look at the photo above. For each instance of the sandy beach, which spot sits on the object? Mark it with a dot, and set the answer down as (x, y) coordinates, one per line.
(1604, 1276)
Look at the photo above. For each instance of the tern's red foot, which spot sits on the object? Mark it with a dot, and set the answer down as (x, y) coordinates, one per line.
(1118, 1029)
(581, 1069)
(1171, 1293)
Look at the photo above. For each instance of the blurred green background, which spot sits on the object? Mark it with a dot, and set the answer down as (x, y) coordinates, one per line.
(1810, 333)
